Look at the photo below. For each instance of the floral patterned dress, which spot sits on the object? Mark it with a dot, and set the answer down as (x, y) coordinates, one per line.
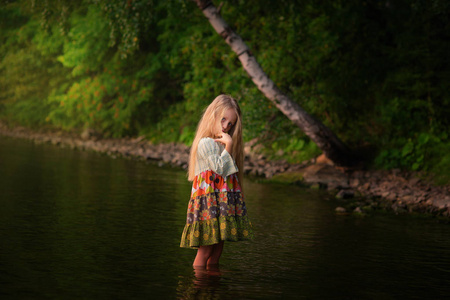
(216, 210)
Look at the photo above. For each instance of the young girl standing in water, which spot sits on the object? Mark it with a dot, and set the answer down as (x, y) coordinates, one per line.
(216, 210)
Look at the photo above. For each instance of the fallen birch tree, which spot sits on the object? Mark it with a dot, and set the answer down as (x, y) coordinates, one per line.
(326, 140)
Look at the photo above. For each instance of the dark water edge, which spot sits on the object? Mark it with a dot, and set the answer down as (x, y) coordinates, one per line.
(78, 224)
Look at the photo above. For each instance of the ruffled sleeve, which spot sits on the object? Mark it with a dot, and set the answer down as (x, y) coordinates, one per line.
(209, 157)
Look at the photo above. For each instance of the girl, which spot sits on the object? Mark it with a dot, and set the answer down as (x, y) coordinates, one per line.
(216, 210)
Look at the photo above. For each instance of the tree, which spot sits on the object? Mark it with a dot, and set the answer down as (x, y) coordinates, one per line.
(325, 139)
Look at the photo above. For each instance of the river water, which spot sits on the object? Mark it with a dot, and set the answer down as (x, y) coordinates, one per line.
(77, 224)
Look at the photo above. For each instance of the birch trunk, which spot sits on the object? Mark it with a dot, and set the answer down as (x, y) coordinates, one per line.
(325, 139)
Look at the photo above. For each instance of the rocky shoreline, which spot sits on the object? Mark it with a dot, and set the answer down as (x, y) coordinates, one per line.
(362, 191)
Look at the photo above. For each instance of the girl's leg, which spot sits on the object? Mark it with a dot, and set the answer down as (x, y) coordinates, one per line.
(215, 254)
(203, 254)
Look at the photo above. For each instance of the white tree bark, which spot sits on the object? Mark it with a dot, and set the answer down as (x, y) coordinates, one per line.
(325, 139)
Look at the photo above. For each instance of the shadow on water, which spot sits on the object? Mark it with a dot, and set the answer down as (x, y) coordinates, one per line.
(81, 225)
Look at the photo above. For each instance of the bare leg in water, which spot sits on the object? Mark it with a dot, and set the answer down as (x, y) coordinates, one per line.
(208, 255)
(216, 253)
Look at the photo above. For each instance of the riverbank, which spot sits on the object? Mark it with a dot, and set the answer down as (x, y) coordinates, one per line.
(361, 191)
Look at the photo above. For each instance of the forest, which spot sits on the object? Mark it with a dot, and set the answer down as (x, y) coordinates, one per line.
(376, 73)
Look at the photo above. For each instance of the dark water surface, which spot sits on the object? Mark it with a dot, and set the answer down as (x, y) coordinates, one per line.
(77, 224)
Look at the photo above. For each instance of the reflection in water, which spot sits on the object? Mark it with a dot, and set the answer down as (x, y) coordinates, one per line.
(207, 277)
(204, 284)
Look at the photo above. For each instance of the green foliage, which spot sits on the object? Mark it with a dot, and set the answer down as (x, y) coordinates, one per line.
(129, 22)
(376, 73)
(293, 149)
(98, 103)
(29, 71)
(411, 153)
(437, 166)
(86, 46)
(425, 152)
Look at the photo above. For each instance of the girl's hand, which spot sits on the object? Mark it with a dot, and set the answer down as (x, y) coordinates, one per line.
(225, 139)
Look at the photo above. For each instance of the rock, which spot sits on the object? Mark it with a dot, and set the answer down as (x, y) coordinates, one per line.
(385, 194)
(56, 141)
(247, 169)
(138, 139)
(268, 173)
(251, 143)
(261, 158)
(439, 202)
(357, 210)
(333, 186)
(407, 198)
(166, 157)
(261, 162)
(257, 148)
(325, 174)
(90, 133)
(413, 182)
(322, 159)
(366, 186)
(392, 197)
(406, 191)
(340, 209)
(354, 182)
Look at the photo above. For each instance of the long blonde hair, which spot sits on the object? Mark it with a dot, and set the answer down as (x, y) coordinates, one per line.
(205, 128)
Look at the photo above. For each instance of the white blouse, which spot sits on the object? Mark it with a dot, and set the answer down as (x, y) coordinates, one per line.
(213, 156)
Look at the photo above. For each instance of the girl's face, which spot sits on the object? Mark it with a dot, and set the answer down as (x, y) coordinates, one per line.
(226, 123)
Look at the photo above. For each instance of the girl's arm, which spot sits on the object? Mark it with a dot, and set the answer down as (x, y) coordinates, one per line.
(210, 158)
(227, 141)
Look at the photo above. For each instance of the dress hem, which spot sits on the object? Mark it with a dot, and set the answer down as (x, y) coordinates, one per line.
(210, 232)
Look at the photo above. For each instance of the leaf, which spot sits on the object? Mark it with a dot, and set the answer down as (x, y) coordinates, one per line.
(299, 145)
(407, 149)
(423, 138)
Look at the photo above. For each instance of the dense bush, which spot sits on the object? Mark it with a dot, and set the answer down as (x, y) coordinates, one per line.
(375, 72)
